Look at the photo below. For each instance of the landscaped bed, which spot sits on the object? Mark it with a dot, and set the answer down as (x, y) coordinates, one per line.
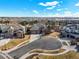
(47, 51)
(69, 55)
(14, 42)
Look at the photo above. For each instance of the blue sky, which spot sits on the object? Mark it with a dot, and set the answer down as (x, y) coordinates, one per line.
(47, 8)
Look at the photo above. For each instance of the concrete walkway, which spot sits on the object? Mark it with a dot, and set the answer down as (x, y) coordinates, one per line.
(35, 37)
(68, 46)
(2, 56)
(46, 54)
(25, 56)
(31, 39)
(4, 41)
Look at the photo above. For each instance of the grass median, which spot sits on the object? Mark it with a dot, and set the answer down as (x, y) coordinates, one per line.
(69, 55)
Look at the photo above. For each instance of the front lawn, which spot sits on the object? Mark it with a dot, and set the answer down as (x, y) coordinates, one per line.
(14, 42)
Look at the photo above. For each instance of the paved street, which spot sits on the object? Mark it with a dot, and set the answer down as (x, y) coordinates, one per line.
(1, 57)
(43, 43)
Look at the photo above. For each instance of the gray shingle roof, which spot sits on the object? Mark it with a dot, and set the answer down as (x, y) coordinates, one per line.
(38, 26)
(72, 28)
(4, 27)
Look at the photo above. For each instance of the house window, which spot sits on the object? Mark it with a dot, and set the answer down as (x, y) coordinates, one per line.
(15, 35)
(0, 31)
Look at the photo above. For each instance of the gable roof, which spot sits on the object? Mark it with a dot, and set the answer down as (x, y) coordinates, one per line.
(38, 26)
(4, 27)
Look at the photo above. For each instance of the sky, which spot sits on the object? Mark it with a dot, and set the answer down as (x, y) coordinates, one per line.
(39, 8)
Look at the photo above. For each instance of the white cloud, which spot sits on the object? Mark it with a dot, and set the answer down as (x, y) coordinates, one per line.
(49, 8)
(76, 14)
(59, 9)
(77, 4)
(35, 11)
(49, 3)
(66, 14)
(66, 9)
(62, 9)
(70, 14)
(57, 15)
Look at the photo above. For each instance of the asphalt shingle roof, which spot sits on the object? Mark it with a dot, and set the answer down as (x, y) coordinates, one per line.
(4, 27)
(38, 26)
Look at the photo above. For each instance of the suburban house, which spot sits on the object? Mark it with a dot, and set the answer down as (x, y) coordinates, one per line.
(5, 31)
(71, 31)
(19, 31)
(27, 28)
(38, 28)
(18, 34)
(11, 31)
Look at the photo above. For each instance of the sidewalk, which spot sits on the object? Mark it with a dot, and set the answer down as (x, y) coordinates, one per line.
(25, 56)
(31, 39)
(4, 41)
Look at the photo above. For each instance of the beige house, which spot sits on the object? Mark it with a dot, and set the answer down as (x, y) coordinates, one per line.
(38, 28)
(12, 31)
